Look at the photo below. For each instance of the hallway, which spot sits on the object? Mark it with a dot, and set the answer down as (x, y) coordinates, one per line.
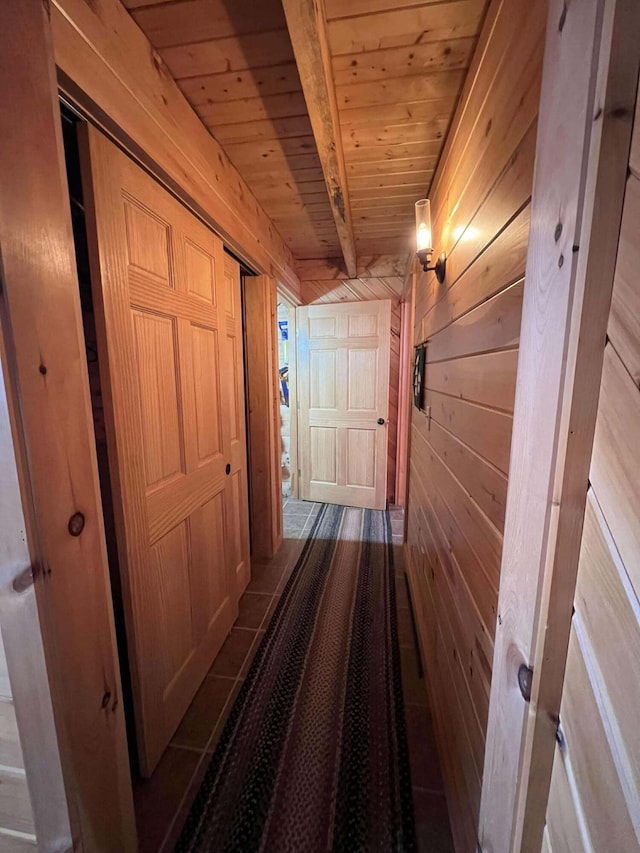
(163, 802)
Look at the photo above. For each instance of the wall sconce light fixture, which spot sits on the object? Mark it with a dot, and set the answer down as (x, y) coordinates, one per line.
(424, 241)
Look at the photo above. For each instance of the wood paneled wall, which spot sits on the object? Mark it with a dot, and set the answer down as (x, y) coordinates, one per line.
(595, 787)
(108, 66)
(459, 456)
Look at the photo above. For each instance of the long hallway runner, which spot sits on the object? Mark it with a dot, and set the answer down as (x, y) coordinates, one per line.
(314, 754)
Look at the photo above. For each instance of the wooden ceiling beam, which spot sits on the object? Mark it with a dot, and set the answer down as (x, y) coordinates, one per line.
(307, 28)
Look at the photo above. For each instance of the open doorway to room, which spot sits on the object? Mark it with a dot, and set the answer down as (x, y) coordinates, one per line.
(298, 515)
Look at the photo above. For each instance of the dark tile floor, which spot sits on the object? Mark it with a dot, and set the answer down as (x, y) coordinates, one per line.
(162, 802)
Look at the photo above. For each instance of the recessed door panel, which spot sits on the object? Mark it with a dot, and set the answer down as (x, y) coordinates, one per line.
(208, 425)
(323, 379)
(363, 325)
(209, 559)
(200, 272)
(148, 240)
(323, 446)
(363, 380)
(169, 586)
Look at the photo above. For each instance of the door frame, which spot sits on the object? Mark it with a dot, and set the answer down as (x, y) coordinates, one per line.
(42, 331)
(377, 496)
(293, 389)
(405, 396)
(48, 384)
(263, 415)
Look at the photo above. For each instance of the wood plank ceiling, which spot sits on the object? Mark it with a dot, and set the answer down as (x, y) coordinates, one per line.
(397, 68)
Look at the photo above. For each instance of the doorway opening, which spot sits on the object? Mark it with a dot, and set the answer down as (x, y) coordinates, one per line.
(286, 323)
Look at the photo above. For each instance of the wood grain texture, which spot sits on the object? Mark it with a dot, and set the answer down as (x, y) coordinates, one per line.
(237, 506)
(263, 395)
(109, 65)
(332, 290)
(169, 388)
(344, 354)
(581, 164)
(29, 749)
(601, 681)
(43, 337)
(307, 29)
(460, 443)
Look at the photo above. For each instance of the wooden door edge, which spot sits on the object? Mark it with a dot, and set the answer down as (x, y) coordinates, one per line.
(265, 489)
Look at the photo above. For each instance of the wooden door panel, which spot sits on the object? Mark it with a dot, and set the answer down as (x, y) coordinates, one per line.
(208, 547)
(200, 272)
(323, 380)
(206, 393)
(362, 381)
(323, 454)
(361, 458)
(163, 307)
(343, 358)
(156, 371)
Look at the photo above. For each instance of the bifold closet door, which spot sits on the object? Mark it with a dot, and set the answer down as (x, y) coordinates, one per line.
(163, 307)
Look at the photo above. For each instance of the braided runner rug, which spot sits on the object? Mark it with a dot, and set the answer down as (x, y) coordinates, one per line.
(314, 754)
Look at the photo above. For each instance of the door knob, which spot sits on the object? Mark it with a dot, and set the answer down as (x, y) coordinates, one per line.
(381, 421)
(227, 469)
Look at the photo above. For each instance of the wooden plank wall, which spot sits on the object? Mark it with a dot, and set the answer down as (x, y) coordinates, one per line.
(459, 455)
(595, 787)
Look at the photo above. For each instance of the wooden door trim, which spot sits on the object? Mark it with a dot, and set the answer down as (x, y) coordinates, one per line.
(404, 402)
(42, 332)
(263, 394)
(587, 106)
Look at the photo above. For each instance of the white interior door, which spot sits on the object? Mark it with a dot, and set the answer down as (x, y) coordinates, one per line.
(343, 385)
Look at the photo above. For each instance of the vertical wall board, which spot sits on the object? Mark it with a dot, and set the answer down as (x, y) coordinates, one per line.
(28, 739)
(587, 104)
(265, 488)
